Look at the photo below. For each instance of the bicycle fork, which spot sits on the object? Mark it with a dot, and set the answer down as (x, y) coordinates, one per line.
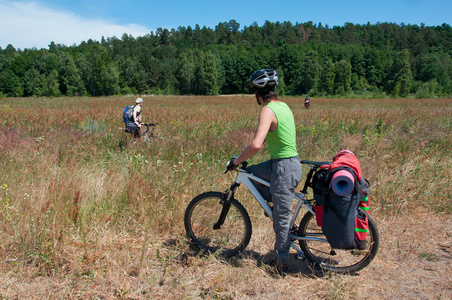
(227, 196)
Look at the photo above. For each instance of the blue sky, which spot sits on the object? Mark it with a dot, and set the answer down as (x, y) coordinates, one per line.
(27, 24)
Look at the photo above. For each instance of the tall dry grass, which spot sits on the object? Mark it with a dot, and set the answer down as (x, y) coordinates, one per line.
(78, 202)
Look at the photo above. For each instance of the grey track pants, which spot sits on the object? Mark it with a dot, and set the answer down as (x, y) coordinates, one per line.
(284, 174)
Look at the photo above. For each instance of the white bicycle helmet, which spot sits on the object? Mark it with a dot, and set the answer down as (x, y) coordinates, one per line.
(265, 78)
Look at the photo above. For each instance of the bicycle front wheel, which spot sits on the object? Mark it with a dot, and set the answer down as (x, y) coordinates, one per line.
(321, 255)
(216, 225)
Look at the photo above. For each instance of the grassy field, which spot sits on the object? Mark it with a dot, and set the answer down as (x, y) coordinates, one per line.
(86, 215)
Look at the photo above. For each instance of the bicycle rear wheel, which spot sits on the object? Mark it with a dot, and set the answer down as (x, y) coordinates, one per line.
(204, 225)
(321, 255)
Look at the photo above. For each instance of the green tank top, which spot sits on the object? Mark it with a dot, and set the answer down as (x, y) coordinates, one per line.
(282, 142)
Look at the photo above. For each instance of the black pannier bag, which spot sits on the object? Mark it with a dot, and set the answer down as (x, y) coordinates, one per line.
(343, 224)
(319, 183)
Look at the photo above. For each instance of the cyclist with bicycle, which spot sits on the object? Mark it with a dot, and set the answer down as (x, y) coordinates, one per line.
(276, 125)
(134, 124)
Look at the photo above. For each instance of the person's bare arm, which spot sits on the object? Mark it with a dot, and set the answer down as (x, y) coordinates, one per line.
(266, 119)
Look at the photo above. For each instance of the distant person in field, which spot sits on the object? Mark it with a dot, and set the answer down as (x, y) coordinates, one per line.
(307, 103)
(134, 124)
(276, 125)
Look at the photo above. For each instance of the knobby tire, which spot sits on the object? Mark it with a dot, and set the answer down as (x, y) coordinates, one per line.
(203, 213)
(341, 261)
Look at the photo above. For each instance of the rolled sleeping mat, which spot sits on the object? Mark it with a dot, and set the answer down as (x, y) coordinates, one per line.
(342, 183)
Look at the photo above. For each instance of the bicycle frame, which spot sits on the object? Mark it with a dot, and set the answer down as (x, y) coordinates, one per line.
(245, 178)
(217, 221)
(148, 126)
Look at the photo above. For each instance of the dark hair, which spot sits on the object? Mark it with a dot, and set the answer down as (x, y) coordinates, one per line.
(267, 94)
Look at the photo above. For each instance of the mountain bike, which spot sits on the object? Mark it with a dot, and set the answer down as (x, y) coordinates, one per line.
(149, 134)
(146, 136)
(218, 222)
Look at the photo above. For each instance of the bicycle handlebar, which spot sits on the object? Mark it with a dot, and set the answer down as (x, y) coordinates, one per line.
(242, 165)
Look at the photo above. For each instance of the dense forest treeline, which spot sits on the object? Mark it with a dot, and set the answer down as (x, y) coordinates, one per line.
(372, 60)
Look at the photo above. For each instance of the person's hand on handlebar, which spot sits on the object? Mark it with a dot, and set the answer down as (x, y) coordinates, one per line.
(231, 166)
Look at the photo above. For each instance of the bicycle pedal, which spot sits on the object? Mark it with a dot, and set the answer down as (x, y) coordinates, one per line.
(300, 256)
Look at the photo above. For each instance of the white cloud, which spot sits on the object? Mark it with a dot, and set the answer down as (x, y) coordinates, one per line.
(31, 24)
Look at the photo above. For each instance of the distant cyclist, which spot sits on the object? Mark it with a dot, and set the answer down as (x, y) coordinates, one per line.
(133, 124)
(307, 103)
(276, 125)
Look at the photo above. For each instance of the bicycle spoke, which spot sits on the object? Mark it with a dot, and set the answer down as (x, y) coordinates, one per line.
(214, 227)
(343, 261)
